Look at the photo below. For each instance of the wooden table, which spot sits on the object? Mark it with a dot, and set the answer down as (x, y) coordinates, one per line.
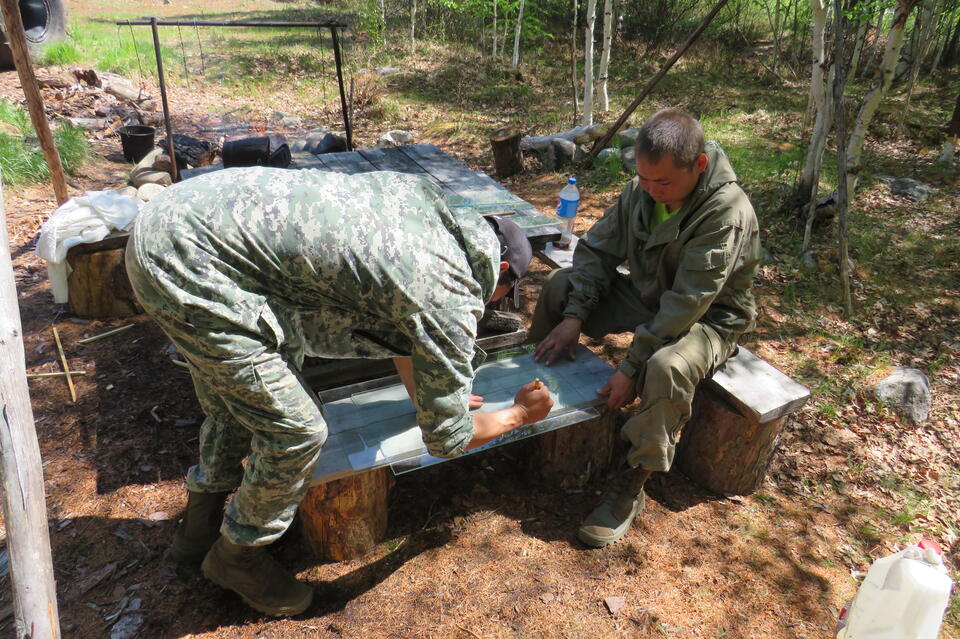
(463, 188)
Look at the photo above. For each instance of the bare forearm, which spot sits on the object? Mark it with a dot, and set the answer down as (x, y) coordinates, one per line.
(489, 426)
(404, 366)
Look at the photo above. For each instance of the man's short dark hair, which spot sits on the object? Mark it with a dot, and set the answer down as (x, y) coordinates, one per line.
(671, 132)
(515, 248)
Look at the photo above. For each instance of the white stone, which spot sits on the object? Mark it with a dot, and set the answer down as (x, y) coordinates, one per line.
(149, 191)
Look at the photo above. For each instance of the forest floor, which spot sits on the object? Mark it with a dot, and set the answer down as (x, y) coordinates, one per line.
(475, 548)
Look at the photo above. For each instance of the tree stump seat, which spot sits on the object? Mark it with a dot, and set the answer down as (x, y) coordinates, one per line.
(738, 416)
(98, 285)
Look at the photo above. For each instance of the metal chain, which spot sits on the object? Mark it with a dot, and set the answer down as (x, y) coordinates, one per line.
(137, 51)
(183, 55)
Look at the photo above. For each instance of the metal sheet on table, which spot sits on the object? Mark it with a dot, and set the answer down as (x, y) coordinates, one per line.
(373, 425)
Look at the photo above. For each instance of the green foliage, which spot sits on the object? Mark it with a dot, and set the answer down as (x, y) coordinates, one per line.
(22, 161)
(60, 53)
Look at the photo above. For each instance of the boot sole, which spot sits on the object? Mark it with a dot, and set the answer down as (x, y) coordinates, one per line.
(283, 611)
(602, 541)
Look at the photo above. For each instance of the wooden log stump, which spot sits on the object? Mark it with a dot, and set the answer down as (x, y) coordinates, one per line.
(505, 143)
(98, 284)
(346, 518)
(735, 426)
(573, 456)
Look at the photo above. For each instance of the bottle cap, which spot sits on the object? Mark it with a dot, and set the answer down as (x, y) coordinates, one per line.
(929, 544)
(571, 180)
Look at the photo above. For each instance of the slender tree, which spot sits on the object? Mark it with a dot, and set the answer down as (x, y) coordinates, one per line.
(516, 39)
(879, 88)
(602, 92)
(591, 17)
(953, 132)
(839, 81)
(821, 73)
(494, 53)
(574, 74)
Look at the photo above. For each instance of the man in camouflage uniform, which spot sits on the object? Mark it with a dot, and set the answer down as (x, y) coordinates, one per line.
(689, 236)
(248, 271)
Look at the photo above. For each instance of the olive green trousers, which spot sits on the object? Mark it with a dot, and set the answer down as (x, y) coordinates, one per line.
(672, 373)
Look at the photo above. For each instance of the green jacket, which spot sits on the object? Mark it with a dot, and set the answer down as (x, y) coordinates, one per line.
(697, 266)
(343, 266)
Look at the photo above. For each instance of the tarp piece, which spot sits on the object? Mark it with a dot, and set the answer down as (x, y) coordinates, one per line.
(373, 424)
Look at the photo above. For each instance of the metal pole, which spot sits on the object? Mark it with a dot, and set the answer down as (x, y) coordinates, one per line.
(343, 96)
(228, 23)
(163, 99)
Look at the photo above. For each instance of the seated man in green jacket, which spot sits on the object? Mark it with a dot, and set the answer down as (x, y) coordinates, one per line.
(689, 237)
(248, 271)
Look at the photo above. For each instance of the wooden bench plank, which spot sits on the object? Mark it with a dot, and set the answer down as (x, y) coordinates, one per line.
(758, 387)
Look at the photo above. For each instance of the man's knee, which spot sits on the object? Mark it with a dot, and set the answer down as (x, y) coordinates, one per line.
(668, 374)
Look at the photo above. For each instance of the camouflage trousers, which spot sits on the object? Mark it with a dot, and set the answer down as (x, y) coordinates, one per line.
(263, 429)
(672, 373)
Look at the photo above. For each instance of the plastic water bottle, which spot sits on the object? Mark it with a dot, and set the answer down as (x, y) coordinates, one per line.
(567, 204)
(903, 596)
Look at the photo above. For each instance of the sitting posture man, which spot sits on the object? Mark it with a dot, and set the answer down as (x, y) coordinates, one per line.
(689, 237)
(249, 270)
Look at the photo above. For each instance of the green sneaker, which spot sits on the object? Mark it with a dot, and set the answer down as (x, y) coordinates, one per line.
(259, 579)
(199, 527)
(622, 502)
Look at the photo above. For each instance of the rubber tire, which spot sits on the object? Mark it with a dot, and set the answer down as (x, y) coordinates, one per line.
(44, 22)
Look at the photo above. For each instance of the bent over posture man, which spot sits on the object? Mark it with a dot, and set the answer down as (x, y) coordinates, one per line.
(689, 236)
(249, 270)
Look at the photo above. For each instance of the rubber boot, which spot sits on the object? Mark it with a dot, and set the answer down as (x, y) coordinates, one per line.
(199, 527)
(253, 573)
(622, 502)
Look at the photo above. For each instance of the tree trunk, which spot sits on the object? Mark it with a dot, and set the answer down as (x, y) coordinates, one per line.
(858, 45)
(24, 507)
(920, 50)
(941, 42)
(591, 17)
(881, 84)
(574, 75)
(571, 457)
(413, 24)
(505, 144)
(493, 54)
(810, 175)
(953, 132)
(950, 54)
(516, 39)
(383, 19)
(346, 518)
(839, 82)
(602, 91)
(875, 48)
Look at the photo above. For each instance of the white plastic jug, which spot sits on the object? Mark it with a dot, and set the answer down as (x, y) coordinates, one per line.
(903, 596)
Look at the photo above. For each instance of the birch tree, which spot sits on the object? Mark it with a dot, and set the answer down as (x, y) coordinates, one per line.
(820, 78)
(923, 29)
(494, 53)
(879, 88)
(574, 76)
(591, 17)
(605, 55)
(413, 24)
(953, 132)
(516, 39)
(843, 194)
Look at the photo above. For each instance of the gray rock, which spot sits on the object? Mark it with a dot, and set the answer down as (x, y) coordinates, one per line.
(297, 146)
(564, 152)
(907, 392)
(330, 143)
(607, 155)
(625, 138)
(291, 121)
(537, 143)
(147, 175)
(149, 159)
(149, 191)
(548, 157)
(628, 156)
(163, 163)
(597, 131)
(808, 262)
(909, 188)
(766, 257)
(387, 71)
(396, 137)
(127, 190)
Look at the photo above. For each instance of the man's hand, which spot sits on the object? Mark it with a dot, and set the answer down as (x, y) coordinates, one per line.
(531, 405)
(476, 401)
(534, 400)
(620, 391)
(564, 336)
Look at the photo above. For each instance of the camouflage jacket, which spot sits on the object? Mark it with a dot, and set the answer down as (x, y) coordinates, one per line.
(698, 265)
(343, 266)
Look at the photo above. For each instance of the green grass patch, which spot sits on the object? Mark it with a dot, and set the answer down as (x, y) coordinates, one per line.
(22, 161)
(60, 53)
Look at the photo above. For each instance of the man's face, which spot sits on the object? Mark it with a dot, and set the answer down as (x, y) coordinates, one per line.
(665, 182)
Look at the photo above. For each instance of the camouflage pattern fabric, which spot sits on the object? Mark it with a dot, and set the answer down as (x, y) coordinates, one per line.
(248, 270)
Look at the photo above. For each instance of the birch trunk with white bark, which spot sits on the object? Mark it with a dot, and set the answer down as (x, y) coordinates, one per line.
(516, 39)
(879, 88)
(587, 119)
(602, 92)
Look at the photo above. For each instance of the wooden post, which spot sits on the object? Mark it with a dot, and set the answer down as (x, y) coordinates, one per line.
(346, 518)
(571, 457)
(505, 143)
(21, 59)
(24, 506)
